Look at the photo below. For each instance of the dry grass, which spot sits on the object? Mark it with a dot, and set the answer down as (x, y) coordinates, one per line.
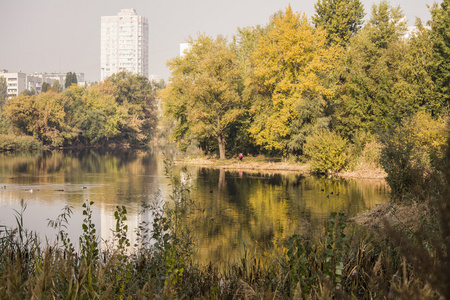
(407, 216)
(364, 173)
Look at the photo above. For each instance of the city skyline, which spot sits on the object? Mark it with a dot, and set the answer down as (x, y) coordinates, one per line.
(65, 36)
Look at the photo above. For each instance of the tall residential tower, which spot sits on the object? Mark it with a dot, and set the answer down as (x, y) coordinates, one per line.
(124, 44)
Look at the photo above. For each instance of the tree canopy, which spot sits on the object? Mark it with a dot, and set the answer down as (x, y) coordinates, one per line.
(202, 95)
(71, 78)
(341, 19)
(372, 90)
(290, 65)
(120, 110)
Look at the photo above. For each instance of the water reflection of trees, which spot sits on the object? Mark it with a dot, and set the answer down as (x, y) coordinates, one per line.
(235, 208)
(259, 209)
(61, 178)
(119, 176)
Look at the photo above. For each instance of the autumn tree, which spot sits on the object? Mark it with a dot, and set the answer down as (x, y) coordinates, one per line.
(202, 96)
(41, 116)
(341, 19)
(290, 78)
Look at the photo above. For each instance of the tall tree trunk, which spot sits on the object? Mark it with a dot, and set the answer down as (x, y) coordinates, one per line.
(221, 141)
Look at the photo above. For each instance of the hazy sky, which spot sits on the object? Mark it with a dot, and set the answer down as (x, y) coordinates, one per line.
(64, 35)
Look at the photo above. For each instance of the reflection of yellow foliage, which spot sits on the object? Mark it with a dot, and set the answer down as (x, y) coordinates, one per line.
(273, 211)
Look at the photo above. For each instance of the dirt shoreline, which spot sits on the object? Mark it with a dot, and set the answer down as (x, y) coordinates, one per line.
(258, 165)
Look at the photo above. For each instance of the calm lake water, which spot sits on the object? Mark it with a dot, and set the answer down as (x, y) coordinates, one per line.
(236, 211)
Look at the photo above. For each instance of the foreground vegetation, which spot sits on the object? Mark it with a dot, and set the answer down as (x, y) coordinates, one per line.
(344, 262)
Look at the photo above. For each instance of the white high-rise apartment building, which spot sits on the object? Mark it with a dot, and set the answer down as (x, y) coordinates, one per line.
(124, 44)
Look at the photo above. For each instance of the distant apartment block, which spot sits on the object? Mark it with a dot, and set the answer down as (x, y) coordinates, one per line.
(50, 78)
(17, 82)
(124, 44)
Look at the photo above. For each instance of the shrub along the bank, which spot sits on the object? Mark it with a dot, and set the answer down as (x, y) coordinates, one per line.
(21, 142)
(412, 156)
(327, 151)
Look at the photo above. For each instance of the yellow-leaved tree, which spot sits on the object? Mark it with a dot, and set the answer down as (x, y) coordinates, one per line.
(291, 75)
(202, 96)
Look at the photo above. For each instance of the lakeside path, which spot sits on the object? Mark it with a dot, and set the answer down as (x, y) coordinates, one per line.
(252, 164)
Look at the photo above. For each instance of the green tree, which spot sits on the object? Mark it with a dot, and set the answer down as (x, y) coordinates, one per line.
(244, 44)
(372, 91)
(440, 36)
(45, 87)
(136, 95)
(3, 91)
(28, 92)
(71, 78)
(416, 69)
(57, 86)
(290, 74)
(100, 118)
(342, 19)
(202, 96)
(386, 25)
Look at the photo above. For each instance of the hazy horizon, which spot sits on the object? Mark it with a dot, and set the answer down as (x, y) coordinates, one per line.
(64, 36)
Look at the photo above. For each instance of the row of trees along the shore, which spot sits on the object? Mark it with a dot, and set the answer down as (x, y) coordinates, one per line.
(324, 90)
(295, 87)
(121, 110)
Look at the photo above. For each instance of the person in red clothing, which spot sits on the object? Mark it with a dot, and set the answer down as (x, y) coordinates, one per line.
(241, 156)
